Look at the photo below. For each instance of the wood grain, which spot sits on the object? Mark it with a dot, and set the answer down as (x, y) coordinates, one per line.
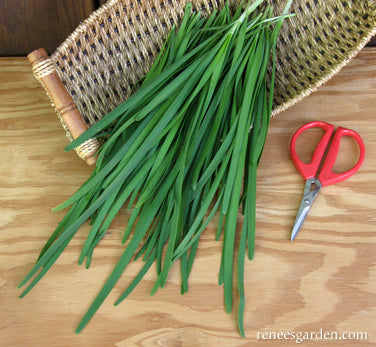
(372, 42)
(26, 25)
(325, 279)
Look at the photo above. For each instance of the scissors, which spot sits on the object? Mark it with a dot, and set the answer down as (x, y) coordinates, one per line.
(315, 178)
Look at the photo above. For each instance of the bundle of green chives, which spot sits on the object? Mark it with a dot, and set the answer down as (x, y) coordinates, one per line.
(180, 150)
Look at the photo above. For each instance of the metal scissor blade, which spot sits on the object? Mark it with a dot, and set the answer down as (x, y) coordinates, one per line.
(300, 217)
(311, 190)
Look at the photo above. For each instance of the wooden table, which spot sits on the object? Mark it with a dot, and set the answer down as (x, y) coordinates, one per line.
(324, 281)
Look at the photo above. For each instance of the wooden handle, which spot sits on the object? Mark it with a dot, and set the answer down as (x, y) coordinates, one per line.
(44, 70)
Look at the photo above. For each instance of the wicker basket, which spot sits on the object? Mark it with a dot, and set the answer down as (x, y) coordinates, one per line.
(94, 70)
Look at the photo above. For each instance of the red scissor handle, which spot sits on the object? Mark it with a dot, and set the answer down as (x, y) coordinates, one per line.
(327, 176)
(309, 170)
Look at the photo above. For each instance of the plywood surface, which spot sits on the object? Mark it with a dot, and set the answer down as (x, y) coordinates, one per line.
(324, 281)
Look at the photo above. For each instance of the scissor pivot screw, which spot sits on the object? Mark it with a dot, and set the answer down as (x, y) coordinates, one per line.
(307, 201)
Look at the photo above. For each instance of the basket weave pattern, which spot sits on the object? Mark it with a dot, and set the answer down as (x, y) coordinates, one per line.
(105, 57)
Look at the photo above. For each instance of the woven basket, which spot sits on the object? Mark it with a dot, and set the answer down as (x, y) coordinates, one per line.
(100, 62)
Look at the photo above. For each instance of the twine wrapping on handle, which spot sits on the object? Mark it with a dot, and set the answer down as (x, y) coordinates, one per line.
(45, 71)
(105, 57)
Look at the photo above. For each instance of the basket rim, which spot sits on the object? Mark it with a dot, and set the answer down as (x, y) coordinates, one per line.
(83, 27)
(306, 92)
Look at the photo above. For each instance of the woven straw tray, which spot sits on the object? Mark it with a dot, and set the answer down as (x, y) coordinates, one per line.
(95, 68)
